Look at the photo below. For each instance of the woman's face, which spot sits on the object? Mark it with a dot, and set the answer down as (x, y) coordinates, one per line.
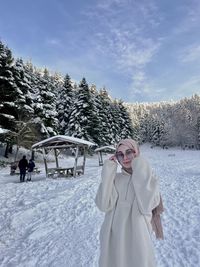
(125, 156)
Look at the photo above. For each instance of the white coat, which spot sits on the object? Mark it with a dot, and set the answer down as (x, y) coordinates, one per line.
(128, 201)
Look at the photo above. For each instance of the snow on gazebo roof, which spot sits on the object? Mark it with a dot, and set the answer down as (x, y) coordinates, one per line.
(3, 130)
(62, 140)
(105, 148)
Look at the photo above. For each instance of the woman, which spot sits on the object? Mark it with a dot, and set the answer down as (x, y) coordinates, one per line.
(31, 166)
(128, 199)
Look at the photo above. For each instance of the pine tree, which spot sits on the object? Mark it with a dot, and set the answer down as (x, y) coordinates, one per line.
(125, 122)
(79, 120)
(114, 120)
(64, 104)
(198, 132)
(104, 111)
(8, 89)
(95, 130)
(135, 112)
(33, 77)
(157, 130)
(45, 102)
(24, 102)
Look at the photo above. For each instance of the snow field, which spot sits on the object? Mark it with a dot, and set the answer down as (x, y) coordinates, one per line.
(50, 222)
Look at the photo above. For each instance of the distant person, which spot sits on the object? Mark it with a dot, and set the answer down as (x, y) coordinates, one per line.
(31, 166)
(23, 165)
(132, 204)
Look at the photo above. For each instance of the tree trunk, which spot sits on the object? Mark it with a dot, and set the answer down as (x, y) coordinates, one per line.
(6, 151)
(10, 149)
(33, 155)
(16, 152)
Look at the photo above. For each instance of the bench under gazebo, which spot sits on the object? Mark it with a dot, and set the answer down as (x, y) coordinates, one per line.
(59, 143)
(104, 149)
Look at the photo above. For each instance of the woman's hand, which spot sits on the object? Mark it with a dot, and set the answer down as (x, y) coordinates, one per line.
(113, 158)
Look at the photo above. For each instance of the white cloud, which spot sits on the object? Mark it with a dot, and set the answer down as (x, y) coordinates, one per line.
(107, 4)
(54, 42)
(122, 35)
(137, 55)
(190, 86)
(190, 54)
(142, 87)
(126, 45)
(139, 78)
(190, 19)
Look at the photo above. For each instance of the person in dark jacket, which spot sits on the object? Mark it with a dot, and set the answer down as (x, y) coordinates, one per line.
(23, 165)
(31, 166)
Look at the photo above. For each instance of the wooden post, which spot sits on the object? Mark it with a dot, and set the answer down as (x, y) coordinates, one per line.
(6, 151)
(84, 158)
(32, 154)
(17, 150)
(100, 158)
(56, 157)
(45, 160)
(76, 160)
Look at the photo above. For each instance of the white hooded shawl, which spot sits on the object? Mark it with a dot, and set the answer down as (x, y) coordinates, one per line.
(128, 201)
(146, 186)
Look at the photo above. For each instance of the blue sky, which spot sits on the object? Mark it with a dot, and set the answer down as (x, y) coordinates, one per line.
(140, 50)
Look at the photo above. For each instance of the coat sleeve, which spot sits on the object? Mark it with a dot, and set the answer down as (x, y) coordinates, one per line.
(107, 195)
(146, 185)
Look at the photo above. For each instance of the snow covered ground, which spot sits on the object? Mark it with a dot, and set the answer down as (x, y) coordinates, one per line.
(50, 222)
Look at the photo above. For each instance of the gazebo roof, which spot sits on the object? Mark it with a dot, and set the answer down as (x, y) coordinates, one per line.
(62, 140)
(105, 148)
(3, 131)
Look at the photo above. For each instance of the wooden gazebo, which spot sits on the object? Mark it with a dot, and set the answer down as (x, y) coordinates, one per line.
(57, 144)
(102, 149)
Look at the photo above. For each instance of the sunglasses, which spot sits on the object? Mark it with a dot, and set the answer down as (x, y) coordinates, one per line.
(129, 153)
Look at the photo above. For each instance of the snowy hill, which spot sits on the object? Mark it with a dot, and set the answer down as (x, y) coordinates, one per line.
(50, 222)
